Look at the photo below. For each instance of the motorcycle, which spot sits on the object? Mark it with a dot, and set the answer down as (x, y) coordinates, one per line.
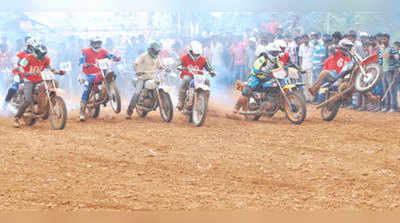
(155, 94)
(104, 92)
(358, 75)
(282, 93)
(195, 104)
(46, 102)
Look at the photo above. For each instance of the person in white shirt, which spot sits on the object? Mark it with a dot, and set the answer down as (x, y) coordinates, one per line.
(306, 53)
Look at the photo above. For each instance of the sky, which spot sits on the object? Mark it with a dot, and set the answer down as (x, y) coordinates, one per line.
(390, 6)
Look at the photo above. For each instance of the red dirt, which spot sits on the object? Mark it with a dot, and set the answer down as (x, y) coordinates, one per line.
(111, 163)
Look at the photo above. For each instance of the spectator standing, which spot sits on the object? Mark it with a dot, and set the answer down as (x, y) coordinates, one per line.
(389, 59)
(238, 52)
(306, 53)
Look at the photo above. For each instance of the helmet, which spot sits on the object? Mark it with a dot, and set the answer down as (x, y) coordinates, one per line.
(154, 49)
(40, 51)
(95, 43)
(280, 43)
(346, 44)
(195, 50)
(273, 50)
(31, 43)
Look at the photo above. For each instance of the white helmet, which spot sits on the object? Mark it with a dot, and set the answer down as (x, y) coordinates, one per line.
(195, 50)
(273, 50)
(346, 44)
(280, 43)
(95, 43)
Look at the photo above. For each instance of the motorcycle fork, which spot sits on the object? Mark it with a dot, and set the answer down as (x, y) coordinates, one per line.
(160, 99)
(284, 94)
(48, 95)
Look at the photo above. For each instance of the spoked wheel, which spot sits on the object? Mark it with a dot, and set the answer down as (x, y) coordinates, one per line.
(329, 111)
(115, 98)
(167, 110)
(200, 108)
(364, 83)
(58, 115)
(252, 106)
(297, 111)
(92, 110)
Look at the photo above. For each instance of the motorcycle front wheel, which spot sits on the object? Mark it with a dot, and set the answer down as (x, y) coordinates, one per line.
(368, 82)
(166, 111)
(58, 115)
(200, 108)
(297, 111)
(115, 98)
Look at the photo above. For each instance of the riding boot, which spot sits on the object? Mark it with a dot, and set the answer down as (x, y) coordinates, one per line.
(82, 112)
(315, 88)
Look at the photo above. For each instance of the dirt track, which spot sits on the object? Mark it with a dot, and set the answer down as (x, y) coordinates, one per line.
(145, 164)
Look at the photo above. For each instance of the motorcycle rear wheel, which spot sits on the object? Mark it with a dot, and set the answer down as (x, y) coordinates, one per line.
(92, 111)
(29, 120)
(329, 111)
(252, 117)
(141, 113)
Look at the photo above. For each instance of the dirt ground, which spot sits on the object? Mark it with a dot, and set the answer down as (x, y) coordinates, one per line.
(351, 163)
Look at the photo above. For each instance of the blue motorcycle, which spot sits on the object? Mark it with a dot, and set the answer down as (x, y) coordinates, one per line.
(277, 93)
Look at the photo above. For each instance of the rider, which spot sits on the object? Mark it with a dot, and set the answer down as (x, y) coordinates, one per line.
(30, 43)
(32, 66)
(262, 69)
(192, 60)
(334, 65)
(145, 65)
(88, 61)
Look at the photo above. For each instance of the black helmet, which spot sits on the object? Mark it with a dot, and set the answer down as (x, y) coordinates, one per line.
(40, 51)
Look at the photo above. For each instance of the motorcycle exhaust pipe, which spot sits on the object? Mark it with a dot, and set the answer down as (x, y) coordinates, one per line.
(250, 113)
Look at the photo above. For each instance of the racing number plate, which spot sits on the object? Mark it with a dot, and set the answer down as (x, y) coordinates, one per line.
(103, 64)
(279, 73)
(48, 76)
(199, 81)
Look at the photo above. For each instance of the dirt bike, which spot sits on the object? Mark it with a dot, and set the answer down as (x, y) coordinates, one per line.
(46, 103)
(279, 91)
(357, 75)
(155, 94)
(195, 105)
(104, 92)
